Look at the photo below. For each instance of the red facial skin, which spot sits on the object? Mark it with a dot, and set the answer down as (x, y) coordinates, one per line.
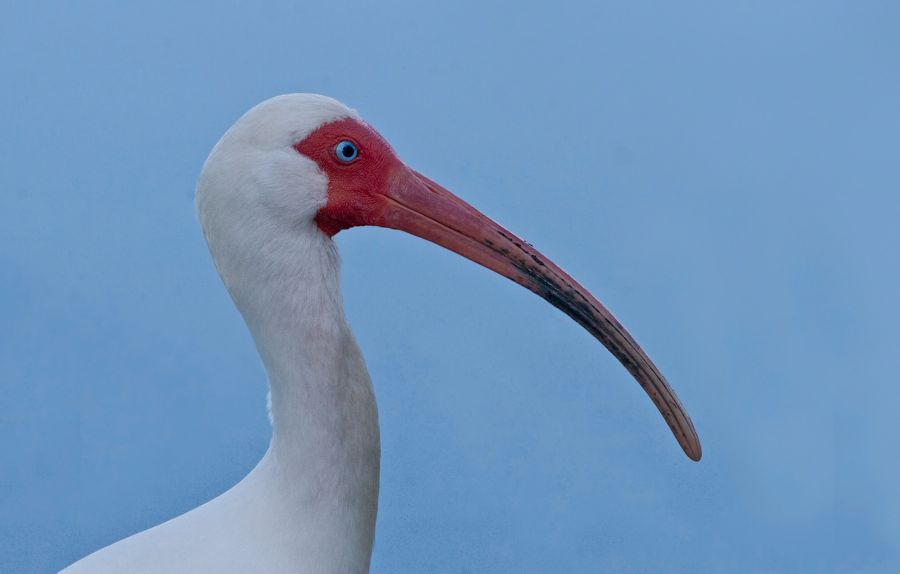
(378, 189)
(352, 187)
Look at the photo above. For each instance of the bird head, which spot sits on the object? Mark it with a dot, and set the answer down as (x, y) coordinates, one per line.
(304, 164)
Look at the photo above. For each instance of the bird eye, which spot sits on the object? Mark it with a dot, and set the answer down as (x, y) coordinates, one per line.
(346, 151)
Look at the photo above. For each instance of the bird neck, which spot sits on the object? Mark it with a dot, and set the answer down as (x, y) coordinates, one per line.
(323, 461)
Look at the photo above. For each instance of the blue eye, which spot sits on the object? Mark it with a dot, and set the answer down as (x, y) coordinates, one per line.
(346, 151)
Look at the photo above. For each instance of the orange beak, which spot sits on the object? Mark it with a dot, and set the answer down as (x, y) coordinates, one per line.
(413, 203)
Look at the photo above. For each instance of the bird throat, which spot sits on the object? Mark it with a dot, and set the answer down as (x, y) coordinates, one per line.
(323, 461)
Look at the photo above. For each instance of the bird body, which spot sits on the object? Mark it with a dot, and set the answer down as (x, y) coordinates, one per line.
(280, 183)
(318, 481)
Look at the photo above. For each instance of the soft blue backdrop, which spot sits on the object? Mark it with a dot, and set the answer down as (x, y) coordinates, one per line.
(723, 175)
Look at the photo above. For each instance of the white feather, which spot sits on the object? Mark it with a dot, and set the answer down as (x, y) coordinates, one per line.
(309, 506)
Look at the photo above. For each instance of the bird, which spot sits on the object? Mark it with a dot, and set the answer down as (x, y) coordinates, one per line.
(283, 180)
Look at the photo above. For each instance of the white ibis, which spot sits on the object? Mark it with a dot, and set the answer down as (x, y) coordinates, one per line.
(290, 174)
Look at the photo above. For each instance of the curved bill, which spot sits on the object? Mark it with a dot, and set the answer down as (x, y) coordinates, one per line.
(419, 206)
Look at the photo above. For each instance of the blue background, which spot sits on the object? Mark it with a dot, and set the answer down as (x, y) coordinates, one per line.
(724, 176)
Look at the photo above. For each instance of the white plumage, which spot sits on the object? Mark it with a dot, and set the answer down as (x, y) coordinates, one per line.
(318, 482)
(273, 191)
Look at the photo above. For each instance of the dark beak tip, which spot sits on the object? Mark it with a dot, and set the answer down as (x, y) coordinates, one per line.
(691, 446)
(695, 455)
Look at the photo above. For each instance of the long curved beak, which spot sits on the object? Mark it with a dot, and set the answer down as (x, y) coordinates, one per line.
(417, 205)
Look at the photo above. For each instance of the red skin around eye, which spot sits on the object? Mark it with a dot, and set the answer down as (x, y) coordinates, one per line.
(354, 188)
